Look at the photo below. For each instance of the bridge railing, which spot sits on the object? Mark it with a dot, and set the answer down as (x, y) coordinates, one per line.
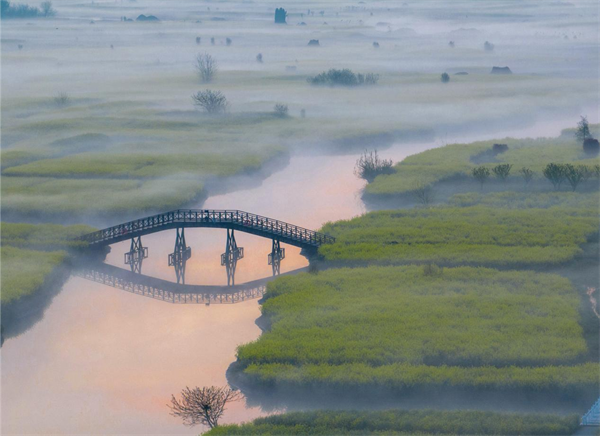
(243, 219)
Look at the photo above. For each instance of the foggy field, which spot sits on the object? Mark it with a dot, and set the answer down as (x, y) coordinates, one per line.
(131, 83)
(394, 422)
(402, 328)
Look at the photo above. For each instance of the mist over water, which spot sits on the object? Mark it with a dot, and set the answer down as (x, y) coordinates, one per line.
(105, 361)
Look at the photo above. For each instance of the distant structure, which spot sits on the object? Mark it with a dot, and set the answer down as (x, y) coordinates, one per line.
(280, 16)
(500, 70)
(143, 17)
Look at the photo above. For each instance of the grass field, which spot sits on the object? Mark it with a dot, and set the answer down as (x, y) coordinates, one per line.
(476, 235)
(31, 253)
(400, 328)
(397, 422)
(456, 161)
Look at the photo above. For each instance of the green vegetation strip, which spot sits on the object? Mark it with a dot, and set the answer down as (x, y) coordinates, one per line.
(436, 165)
(31, 253)
(403, 327)
(469, 235)
(398, 422)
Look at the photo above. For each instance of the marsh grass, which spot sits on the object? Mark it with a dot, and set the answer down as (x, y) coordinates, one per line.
(469, 327)
(404, 423)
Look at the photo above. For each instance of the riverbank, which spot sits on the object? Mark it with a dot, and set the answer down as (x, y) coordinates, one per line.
(35, 264)
(342, 333)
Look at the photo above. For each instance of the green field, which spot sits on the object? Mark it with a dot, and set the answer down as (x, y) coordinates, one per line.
(455, 162)
(401, 328)
(31, 253)
(474, 235)
(398, 422)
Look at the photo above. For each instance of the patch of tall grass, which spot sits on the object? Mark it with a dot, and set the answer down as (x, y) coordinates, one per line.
(468, 327)
(403, 422)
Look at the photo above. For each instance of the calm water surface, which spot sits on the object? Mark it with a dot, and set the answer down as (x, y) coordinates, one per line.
(105, 361)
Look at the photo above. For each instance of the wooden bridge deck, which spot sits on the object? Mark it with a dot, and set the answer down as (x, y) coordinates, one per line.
(226, 219)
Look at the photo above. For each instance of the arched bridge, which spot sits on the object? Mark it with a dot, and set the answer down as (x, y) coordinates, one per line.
(232, 220)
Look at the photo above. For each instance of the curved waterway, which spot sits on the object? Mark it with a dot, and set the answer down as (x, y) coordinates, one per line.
(105, 361)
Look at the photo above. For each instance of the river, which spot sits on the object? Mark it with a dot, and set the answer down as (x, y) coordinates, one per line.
(106, 361)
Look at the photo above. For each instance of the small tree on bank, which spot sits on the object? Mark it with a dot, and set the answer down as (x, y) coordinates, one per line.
(370, 165)
(445, 78)
(202, 406)
(481, 174)
(206, 66)
(213, 102)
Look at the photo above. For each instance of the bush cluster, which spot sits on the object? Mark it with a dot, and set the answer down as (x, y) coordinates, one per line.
(344, 77)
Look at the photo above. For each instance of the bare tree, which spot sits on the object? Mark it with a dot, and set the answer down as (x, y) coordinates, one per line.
(423, 193)
(206, 66)
(47, 9)
(281, 110)
(369, 166)
(213, 102)
(202, 406)
(61, 99)
(481, 174)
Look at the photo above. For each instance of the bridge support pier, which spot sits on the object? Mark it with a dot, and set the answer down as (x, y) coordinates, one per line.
(180, 256)
(276, 256)
(137, 254)
(229, 259)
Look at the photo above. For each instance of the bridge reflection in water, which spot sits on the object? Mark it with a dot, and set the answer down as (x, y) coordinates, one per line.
(278, 231)
(171, 292)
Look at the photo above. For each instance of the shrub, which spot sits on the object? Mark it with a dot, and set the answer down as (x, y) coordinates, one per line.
(445, 78)
(423, 192)
(18, 10)
(432, 270)
(198, 40)
(212, 41)
(488, 46)
(259, 58)
(369, 166)
(213, 102)
(499, 148)
(61, 99)
(574, 174)
(527, 175)
(555, 173)
(375, 44)
(228, 41)
(314, 42)
(206, 66)
(481, 174)
(281, 110)
(344, 77)
(502, 171)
